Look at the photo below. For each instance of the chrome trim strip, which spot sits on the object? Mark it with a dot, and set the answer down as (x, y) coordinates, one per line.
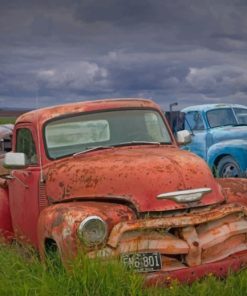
(185, 195)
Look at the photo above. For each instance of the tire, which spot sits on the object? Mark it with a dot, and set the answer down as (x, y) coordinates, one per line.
(52, 256)
(228, 168)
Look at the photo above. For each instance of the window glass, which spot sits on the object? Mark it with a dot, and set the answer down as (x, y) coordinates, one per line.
(221, 117)
(25, 144)
(194, 121)
(241, 114)
(86, 131)
(154, 126)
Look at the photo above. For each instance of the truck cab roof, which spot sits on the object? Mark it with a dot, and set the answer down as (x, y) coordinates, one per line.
(44, 114)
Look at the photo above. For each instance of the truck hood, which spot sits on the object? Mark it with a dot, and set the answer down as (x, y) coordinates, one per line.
(136, 174)
(229, 133)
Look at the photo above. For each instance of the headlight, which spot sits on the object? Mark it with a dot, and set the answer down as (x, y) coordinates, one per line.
(92, 231)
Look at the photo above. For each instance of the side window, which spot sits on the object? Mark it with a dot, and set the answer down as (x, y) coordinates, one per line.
(194, 121)
(25, 144)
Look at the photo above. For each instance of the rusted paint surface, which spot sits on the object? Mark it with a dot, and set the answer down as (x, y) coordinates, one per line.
(195, 245)
(222, 233)
(198, 238)
(188, 275)
(234, 189)
(176, 221)
(6, 230)
(153, 242)
(226, 248)
(40, 116)
(190, 235)
(61, 222)
(127, 172)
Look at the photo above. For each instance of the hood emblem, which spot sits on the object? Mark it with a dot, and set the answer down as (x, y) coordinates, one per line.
(185, 195)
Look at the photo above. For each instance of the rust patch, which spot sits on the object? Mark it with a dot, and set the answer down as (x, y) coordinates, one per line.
(234, 189)
(58, 220)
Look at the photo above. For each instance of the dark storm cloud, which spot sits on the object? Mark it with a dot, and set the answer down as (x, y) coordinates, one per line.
(182, 22)
(185, 50)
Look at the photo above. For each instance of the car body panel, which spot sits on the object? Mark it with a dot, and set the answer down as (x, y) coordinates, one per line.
(127, 173)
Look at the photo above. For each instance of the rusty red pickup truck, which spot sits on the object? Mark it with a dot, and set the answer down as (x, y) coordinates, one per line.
(107, 178)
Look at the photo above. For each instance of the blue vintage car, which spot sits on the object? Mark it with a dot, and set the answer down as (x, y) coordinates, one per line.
(219, 135)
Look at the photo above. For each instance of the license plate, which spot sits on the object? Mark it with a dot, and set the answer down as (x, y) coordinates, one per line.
(142, 262)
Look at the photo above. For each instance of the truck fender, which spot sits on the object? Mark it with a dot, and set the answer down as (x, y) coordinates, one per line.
(6, 229)
(58, 224)
(234, 148)
(234, 189)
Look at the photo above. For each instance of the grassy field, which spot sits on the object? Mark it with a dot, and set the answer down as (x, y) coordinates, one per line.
(4, 120)
(25, 275)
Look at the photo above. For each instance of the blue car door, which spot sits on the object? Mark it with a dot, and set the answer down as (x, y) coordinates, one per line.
(194, 123)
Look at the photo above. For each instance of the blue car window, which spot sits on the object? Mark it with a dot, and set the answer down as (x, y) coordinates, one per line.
(194, 121)
(241, 114)
(221, 117)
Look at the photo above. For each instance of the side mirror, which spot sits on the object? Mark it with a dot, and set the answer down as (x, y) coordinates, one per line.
(15, 160)
(183, 137)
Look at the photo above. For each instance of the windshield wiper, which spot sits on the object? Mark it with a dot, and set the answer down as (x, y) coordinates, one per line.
(91, 149)
(139, 143)
(119, 145)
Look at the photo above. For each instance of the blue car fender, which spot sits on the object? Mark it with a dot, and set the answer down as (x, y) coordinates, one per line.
(237, 149)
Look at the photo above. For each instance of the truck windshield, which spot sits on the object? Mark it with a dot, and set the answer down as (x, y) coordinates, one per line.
(83, 132)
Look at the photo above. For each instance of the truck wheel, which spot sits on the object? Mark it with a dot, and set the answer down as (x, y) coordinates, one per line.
(53, 259)
(228, 168)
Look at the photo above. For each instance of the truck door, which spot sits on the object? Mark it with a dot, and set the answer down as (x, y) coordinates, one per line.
(194, 122)
(23, 187)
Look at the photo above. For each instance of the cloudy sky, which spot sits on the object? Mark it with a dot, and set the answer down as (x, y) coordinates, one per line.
(189, 51)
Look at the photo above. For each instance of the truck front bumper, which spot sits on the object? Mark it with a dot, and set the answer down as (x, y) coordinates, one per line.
(190, 245)
(188, 275)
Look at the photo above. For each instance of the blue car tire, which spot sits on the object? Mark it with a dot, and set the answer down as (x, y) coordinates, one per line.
(228, 168)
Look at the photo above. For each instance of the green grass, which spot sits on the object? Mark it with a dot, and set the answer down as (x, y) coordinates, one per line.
(23, 274)
(4, 120)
